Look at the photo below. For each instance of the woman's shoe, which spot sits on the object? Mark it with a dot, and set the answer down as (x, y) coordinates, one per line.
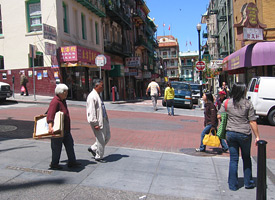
(199, 150)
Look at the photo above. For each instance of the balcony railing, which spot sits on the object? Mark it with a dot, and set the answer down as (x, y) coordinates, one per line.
(113, 47)
(169, 56)
(96, 6)
(117, 13)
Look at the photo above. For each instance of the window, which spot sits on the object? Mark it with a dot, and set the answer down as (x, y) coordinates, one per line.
(83, 24)
(96, 33)
(1, 29)
(34, 16)
(92, 31)
(187, 72)
(76, 24)
(38, 60)
(2, 62)
(172, 62)
(65, 18)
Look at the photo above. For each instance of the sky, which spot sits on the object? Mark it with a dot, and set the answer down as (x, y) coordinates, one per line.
(182, 16)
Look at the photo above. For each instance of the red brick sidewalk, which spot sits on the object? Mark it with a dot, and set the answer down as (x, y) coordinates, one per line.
(154, 131)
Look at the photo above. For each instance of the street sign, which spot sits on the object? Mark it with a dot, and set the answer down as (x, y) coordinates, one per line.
(200, 65)
(100, 60)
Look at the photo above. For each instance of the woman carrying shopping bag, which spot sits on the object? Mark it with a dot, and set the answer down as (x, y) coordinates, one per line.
(169, 96)
(210, 120)
(241, 121)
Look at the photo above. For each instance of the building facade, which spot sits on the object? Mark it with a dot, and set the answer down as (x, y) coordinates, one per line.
(188, 70)
(244, 29)
(168, 50)
(67, 37)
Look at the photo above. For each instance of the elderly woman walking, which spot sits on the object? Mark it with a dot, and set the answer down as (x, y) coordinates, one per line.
(241, 120)
(58, 103)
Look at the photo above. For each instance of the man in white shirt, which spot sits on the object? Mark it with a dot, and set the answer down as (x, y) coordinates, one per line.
(98, 120)
(154, 92)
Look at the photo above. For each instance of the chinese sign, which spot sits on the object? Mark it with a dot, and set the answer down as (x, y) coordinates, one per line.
(49, 32)
(215, 64)
(132, 62)
(252, 34)
(50, 49)
(82, 56)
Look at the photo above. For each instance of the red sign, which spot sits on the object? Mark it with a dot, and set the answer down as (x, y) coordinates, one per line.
(80, 54)
(200, 65)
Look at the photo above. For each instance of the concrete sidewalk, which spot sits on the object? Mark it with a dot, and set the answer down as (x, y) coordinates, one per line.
(47, 99)
(125, 174)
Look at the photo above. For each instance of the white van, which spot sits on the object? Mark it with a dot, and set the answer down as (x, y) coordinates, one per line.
(261, 91)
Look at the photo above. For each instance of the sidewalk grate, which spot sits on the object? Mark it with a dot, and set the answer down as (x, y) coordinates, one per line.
(30, 170)
(6, 128)
(192, 152)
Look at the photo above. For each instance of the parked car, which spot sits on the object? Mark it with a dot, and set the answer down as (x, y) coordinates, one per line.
(196, 92)
(261, 92)
(183, 94)
(5, 91)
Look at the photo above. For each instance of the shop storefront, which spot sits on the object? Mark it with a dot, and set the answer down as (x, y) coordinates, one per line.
(78, 70)
(117, 80)
(257, 59)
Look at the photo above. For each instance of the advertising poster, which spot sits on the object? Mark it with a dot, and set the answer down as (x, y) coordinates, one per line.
(39, 76)
(30, 73)
(56, 75)
(45, 73)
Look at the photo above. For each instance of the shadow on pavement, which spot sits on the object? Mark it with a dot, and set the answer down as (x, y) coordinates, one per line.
(114, 157)
(14, 148)
(84, 163)
(16, 129)
(8, 102)
(31, 184)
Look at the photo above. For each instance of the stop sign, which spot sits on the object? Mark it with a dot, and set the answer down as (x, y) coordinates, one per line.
(200, 65)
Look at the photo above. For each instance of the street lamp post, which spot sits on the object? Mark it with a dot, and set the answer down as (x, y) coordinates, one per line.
(199, 35)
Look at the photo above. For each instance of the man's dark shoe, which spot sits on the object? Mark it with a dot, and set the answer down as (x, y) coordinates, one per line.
(93, 152)
(55, 167)
(74, 164)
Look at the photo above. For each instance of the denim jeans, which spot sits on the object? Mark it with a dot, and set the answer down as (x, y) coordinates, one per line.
(56, 145)
(206, 131)
(235, 142)
(154, 101)
(170, 106)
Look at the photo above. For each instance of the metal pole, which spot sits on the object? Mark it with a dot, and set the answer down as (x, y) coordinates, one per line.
(261, 170)
(33, 72)
(199, 35)
(227, 21)
(13, 86)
